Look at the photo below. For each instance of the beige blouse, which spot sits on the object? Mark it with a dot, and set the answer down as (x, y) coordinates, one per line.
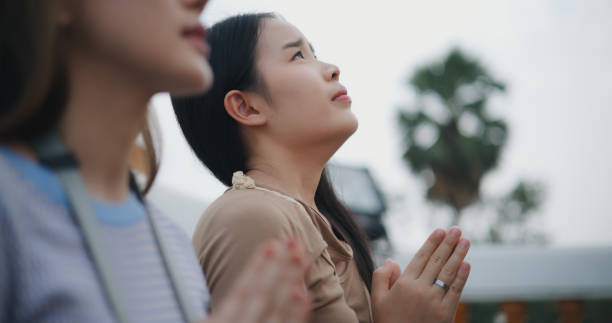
(247, 215)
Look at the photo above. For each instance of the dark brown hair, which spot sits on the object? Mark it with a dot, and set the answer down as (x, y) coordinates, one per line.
(33, 77)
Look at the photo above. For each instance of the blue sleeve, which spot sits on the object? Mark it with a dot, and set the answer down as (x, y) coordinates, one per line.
(7, 288)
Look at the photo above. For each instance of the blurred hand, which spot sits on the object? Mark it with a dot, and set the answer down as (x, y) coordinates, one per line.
(271, 288)
(412, 296)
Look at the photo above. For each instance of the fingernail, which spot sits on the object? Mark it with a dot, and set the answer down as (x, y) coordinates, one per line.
(270, 251)
(291, 244)
(439, 233)
(465, 268)
(454, 232)
(463, 244)
(296, 260)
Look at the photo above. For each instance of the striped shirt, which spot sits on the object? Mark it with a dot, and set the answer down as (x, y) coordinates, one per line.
(46, 274)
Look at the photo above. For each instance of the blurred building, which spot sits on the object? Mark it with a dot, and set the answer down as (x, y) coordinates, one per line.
(356, 188)
(518, 284)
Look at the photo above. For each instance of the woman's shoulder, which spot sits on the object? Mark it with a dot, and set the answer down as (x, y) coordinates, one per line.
(254, 203)
(24, 182)
(257, 214)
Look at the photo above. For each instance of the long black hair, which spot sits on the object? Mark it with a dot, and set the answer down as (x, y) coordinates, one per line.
(215, 137)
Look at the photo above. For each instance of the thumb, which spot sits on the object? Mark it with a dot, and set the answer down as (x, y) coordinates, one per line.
(395, 274)
(381, 280)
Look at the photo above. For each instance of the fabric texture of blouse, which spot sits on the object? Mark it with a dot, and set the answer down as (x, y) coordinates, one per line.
(247, 215)
(46, 273)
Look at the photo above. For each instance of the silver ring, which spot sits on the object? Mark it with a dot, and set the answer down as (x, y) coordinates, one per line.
(441, 284)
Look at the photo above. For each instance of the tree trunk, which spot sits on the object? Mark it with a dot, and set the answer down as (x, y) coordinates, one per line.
(456, 215)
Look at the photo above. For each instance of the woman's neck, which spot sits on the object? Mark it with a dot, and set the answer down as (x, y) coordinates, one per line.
(295, 175)
(104, 114)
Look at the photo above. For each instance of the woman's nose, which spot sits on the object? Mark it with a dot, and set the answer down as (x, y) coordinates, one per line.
(195, 4)
(332, 72)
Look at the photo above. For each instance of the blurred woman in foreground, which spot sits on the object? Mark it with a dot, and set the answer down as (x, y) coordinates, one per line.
(77, 241)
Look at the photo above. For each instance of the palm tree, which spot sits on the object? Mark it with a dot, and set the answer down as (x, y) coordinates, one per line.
(468, 142)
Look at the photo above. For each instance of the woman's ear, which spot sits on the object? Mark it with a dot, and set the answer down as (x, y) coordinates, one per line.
(239, 108)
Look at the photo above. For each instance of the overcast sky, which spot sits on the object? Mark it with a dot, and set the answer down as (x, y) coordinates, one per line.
(554, 56)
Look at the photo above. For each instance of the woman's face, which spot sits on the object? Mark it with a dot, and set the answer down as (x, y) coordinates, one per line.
(158, 43)
(307, 105)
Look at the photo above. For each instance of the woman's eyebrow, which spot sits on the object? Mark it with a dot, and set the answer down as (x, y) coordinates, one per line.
(298, 43)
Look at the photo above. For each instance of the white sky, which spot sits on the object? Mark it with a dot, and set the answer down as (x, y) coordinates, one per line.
(553, 55)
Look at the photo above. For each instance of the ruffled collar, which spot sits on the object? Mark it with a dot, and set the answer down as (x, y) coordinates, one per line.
(240, 181)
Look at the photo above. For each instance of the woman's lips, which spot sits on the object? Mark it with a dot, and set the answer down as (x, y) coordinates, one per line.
(341, 96)
(196, 35)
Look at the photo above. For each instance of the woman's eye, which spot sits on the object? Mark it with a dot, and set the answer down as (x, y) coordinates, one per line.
(298, 55)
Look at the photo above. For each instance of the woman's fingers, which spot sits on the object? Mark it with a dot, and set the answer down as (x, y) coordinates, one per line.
(416, 265)
(299, 256)
(440, 256)
(298, 309)
(449, 271)
(451, 299)
(266, 289)
(292, 303)
(248, 281)
(381, 280)
(283, 284)
(264, 295)
(414, 297)
(241, 305)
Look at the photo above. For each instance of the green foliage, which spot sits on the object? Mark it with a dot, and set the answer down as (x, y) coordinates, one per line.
(458, 160)
(512, 212)
(483, 312)
(456, 157)
(542, 312)
(597, 311)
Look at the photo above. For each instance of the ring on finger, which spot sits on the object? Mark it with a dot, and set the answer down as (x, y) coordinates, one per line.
(442, 284)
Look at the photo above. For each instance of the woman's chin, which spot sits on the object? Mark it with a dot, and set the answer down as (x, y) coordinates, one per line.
(348, 129)
(352, 125)
(194, 82)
